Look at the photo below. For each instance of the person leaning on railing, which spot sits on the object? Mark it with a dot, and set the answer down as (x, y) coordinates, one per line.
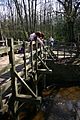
(37, 36)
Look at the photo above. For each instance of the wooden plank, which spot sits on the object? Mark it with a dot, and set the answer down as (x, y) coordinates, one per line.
(23, 96)
(4, 50)
(5, 86)
(44, 71)
(17, 46)
(5, 69)
(28, 99)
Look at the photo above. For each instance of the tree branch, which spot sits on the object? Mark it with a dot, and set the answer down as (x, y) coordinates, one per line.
(77, 6)
(61, 2)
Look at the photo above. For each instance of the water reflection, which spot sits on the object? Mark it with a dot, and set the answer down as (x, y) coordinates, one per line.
(58, 108)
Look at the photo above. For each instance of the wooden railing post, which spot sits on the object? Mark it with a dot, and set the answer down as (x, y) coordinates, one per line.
(12, 71)
(64, 50)
(36, 54)
(6, 43)
(1, 104)
(36, 77)
(31, 49)
(25, 71)
(57, 50)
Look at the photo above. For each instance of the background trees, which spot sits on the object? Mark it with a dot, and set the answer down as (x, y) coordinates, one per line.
(59, 18)
(71, 9)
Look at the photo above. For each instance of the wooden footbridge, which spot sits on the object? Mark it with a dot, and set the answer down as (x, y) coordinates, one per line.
(35, 68)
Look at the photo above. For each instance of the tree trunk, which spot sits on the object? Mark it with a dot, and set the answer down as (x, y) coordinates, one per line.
(26, 17)
(70, 31)
(21, 19)
(35, 15)
(29, 16)
(32, 15)
(40, 15)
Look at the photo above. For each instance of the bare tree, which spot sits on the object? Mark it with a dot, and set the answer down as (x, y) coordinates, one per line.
(26, 16)
(32, 16)
(35, 15)
(44, 22)
(21, 19)
(70, 16)
(12, 16)
(29, 16)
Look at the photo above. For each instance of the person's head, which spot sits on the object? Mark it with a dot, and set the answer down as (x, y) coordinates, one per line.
(38, 34)
(42, 35)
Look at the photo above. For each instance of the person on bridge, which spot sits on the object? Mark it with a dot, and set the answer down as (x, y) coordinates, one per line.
(51, 41)
(37, 36)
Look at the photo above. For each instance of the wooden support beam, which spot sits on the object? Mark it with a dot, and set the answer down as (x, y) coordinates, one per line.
(53, 54)
(44, 71)
(49, 53)
(43, 63)
(25, 85)
(28, 99)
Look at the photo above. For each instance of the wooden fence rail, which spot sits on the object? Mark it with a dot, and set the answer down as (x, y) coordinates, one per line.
(27, 60)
